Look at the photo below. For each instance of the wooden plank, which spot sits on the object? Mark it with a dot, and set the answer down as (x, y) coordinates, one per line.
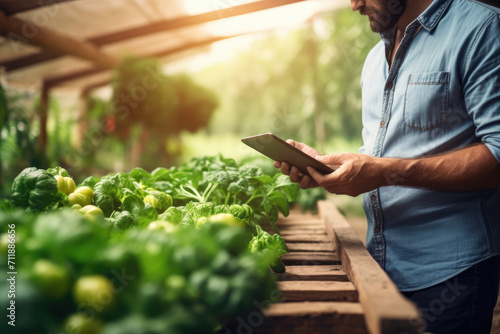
(292, 221)
(302, 317)
(55, 42)
(56, 80)
(154, 27)
(332, 273)
(312, 317)
(302, 232)
(386, 310)
(294, 212)
(306, 238)
(293, 291)
(14, 7)
(313, 227)
(310, 247)
(310, 258)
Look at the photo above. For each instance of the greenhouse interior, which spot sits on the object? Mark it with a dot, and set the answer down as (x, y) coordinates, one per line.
(129, 203)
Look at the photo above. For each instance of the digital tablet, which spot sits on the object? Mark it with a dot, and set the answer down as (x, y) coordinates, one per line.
(279, 150)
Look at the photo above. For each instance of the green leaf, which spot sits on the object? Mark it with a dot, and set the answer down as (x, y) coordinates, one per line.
(272, 217)
(282, 180)
(266, 203)
(58, 171)
(90, 182)
(107, 194)
(264, 179)
(161, 174)
(140, 175)
(66, 233)
(279, 199)
(291, 192)
(143, 213)
(35, 189)
(290, 189)
(6, 205)
(133, 204)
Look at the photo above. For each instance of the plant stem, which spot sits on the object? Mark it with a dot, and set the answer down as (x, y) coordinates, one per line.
(252, 197)
(206, 194)
(193, 194)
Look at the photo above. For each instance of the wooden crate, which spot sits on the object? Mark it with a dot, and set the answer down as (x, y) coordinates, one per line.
(332, 284)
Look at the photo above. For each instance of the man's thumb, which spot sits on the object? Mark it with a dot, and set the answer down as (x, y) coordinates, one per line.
(330, 160)
(325, 158)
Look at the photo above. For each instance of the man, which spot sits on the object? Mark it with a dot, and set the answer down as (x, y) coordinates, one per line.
(429, 167)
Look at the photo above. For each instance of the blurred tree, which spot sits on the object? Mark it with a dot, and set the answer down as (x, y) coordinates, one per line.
(302, 84)
(342, 57)
(18, 138)
(158, 107)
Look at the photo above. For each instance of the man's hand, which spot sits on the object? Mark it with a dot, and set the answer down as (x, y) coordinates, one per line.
(469, 169)
(305, 181)
(356, 173)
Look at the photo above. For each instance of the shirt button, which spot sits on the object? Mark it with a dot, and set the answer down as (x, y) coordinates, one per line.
(373, 197)
(389, 85)
(377, 229)
(382, 124)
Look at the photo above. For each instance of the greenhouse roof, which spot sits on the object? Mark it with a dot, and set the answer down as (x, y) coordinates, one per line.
(75, 43)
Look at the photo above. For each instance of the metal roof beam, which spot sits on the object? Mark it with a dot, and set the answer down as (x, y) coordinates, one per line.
(156, 27)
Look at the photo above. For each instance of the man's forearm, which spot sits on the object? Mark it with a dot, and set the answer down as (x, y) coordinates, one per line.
(469, 169)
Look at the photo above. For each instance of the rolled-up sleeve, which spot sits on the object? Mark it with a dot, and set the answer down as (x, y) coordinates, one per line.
(481, 82)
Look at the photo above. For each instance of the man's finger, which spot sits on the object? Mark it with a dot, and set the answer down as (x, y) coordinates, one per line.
(294, 174)
(317, 176)
(285, 168)
(305, 182)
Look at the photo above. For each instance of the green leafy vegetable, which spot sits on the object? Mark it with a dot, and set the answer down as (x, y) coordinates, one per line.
(35, 189)
(179, 244)
(122, 220)
(158, 200)
(274, 244)
(107, 194)
(66, 233)
(58, 171)
(143, 213)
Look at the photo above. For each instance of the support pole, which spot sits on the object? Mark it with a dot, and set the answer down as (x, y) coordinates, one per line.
(44, 107)
(82, 119)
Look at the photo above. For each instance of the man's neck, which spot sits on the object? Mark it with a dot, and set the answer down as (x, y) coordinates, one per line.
(413, 9)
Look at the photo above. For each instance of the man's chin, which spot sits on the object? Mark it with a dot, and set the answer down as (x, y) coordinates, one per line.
(379, 28)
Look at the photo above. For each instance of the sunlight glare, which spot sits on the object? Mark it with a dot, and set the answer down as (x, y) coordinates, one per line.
(280, 17)
(194, 7)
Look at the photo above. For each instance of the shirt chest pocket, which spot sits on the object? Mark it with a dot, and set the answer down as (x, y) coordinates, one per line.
(426, 100)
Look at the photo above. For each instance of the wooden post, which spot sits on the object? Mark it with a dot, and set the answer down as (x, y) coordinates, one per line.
(387, 311)
(44, 107)
(82, 115)
(14, 28)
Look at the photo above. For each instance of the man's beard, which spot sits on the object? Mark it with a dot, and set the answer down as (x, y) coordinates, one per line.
(386, 17)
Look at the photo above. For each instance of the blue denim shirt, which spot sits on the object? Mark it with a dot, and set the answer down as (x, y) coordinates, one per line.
(441, 93)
